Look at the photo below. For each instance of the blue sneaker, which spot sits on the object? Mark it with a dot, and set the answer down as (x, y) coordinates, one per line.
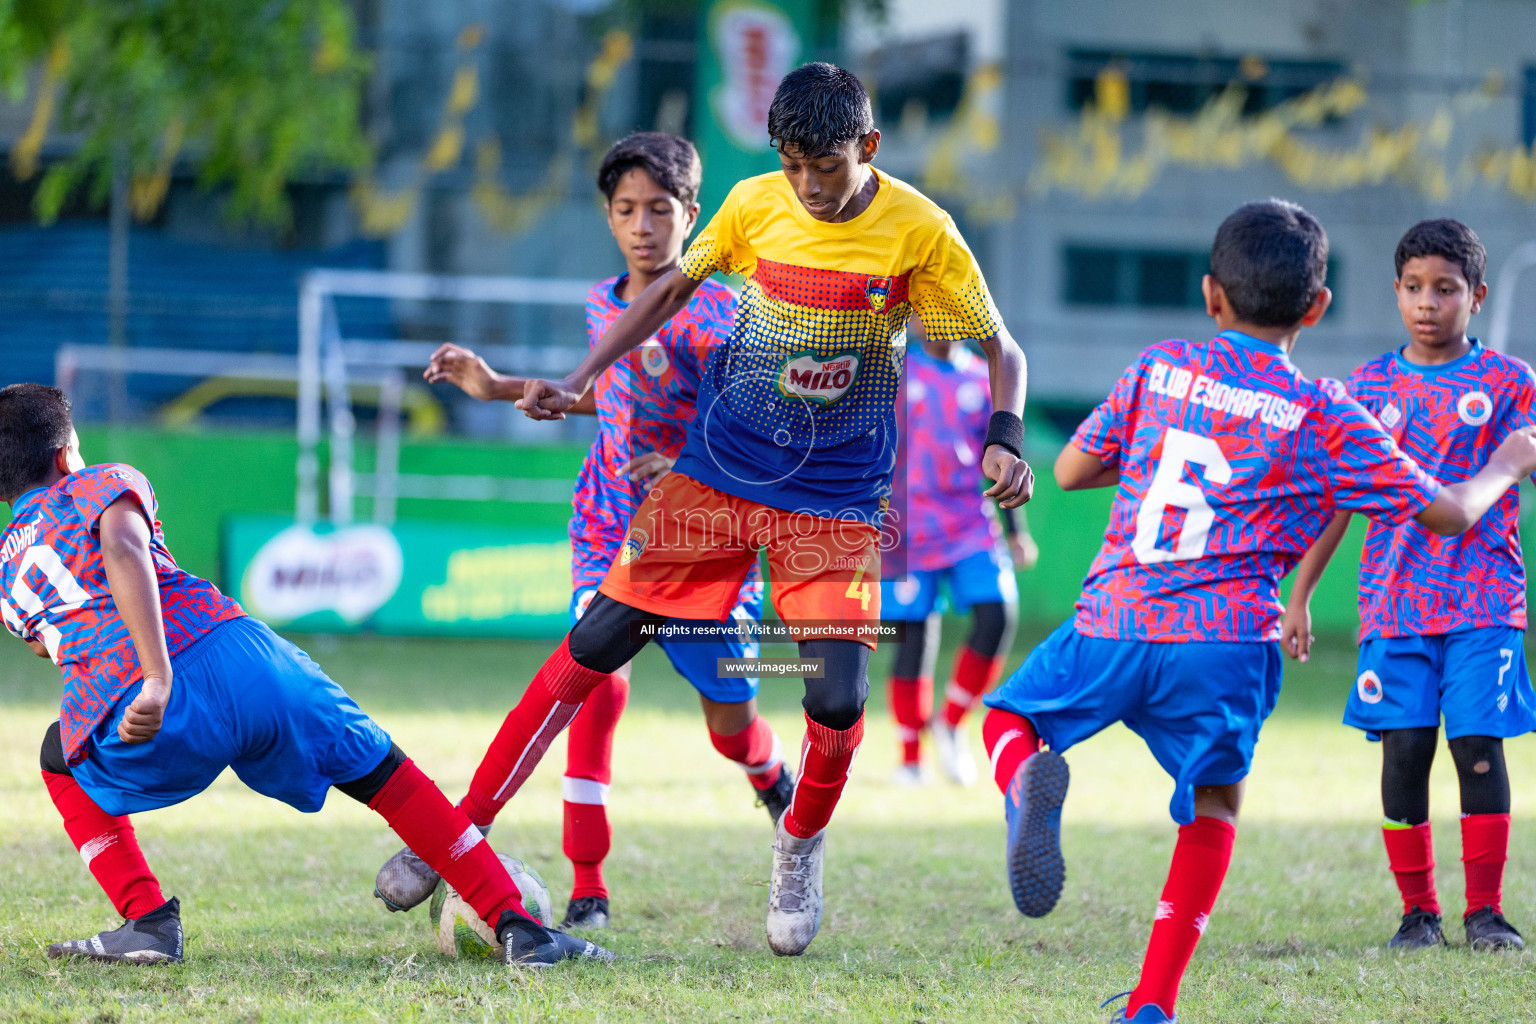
(1150, 1013)
(1036, 870)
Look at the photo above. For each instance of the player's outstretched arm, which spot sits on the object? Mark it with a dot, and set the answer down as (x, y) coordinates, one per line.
(663, 299)
(40, 649)
(1002, 460)
(1296, 624)
(471, 374)
(1458, 506)
(125, 537)
(1077, 470)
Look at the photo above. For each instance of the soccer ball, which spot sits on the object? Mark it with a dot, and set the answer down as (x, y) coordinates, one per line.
(458, 930)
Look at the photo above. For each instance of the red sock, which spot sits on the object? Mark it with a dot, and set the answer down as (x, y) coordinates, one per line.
(547, 707)
(588, 771)
(974, 675)
(1010, 739)
(1484, 848)
(442, 836)
(1200, 860)
(911, 702)
(756, 750)
(108, 846)
(1411, 855)
(823, 774)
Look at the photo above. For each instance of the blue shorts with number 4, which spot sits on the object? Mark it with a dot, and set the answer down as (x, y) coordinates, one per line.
(1476, 679)
(697, 660)
(985, 577)
(242, 697)
(1198, 706)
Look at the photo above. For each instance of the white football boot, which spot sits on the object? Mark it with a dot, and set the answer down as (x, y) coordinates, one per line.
(794, 893)
(406, 880)
(911, 776)
(952, 747)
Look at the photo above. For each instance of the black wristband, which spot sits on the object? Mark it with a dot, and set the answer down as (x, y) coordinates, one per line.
(1006, 429)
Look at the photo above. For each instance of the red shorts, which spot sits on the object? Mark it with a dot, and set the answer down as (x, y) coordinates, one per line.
(689, 548)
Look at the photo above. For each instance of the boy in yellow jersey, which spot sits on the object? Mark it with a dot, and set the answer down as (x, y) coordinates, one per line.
(791, 451)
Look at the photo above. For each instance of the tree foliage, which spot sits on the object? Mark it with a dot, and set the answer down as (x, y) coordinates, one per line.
(256, 92)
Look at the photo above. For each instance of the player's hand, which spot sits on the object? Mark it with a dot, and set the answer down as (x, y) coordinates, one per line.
(1024, 550)
(548, 399)
(460, 367)
(39, 648)
(142, 719)
(1296, 631)
(1014, 480)
(1517, 453)
(650, 467)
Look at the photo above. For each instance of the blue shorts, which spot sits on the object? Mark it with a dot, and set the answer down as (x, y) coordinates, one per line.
(242, 697)
(695, 660)
(1477, 679)
(1198, 706)
(983, 578)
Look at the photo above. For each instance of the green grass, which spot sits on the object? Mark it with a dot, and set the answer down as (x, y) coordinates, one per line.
(281, 925)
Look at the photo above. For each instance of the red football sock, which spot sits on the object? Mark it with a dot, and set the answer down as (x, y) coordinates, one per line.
(1200, 860)
(756, 750)
(1010, 740)
(108, 846)
(974, 675)
(547, 707)
(1484, 848)
(442, 836)
(1411, 855)
(823, 774)
(588, 771)
(911, 702)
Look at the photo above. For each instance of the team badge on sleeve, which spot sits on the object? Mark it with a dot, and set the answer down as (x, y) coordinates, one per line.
(634, 544)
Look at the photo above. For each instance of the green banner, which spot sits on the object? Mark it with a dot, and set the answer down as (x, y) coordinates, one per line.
(417, 579)
(747, 47)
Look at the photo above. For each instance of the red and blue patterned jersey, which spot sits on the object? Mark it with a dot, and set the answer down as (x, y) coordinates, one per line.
(1449, 419)
(53, 587)
(944, 432)
(644, 403)
(1231, 464)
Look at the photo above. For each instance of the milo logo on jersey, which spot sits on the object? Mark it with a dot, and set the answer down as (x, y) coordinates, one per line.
(818, 381)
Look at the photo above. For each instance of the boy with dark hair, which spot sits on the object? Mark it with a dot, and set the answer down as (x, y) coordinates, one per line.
(643, 403)
(949, 539)
(167, 682)
(792, 449)
(1228, 463)
(1442, 618)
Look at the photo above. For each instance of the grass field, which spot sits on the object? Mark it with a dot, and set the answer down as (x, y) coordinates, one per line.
(281, 924)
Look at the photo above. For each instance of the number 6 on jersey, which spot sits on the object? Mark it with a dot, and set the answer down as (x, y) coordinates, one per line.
(1169, 490)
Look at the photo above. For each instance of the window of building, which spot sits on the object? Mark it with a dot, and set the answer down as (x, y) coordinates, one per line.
(1182, 84)
(928, 73)
(1134, 278)
(1528, 108)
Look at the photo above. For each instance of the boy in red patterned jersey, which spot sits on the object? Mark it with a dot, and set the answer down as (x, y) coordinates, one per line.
(1442, 618)
(1228, 464)
(643, 403)
(167, 682)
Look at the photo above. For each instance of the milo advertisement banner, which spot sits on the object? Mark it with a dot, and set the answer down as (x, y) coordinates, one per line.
(420, 579)
(747, 46)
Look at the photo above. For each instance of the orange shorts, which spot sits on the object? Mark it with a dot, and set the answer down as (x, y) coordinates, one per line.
(690, 547)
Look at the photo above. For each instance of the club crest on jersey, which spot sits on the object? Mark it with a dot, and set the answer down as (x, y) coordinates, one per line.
(653, 358)
(634, 544)
(1391, 416)
(877, 290)
(818, 381)
(1475, 408)
(1368, 686)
